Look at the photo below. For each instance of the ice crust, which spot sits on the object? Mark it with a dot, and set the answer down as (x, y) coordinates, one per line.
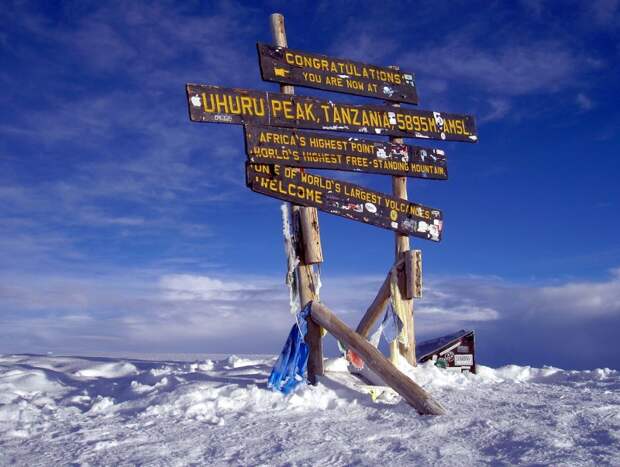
(64, 410)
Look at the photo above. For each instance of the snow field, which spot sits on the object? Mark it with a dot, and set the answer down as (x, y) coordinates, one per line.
(99, 411)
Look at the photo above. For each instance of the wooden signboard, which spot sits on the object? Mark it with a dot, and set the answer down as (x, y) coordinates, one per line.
(243, 106)
(282, 65)
(298, 148)
(345, 199)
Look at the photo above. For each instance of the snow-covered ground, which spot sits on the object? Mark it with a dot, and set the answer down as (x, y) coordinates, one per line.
(102, 411)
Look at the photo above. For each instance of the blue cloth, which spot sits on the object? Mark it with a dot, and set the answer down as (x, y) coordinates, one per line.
(291, 366)
(392, 325)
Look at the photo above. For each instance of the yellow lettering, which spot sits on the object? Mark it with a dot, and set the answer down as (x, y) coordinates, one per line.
(246, 105)
(288, 110)
(276, 107)
(221, 103)
(207, 108)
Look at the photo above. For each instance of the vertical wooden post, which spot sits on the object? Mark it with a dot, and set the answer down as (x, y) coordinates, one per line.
(310, 234)
(305, 221)
(401, 244)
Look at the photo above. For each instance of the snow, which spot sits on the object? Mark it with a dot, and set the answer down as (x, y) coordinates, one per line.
(108, 370)
(108, 411)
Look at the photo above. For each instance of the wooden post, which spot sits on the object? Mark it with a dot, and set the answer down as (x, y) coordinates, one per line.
(401, 244)
(399, 186)
(305, 221)
(311, 236)
(401, 383)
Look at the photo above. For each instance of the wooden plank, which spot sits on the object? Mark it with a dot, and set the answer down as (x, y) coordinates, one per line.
(305, 274)
(283, 65)
(345, 199)
(312, 150)
(401, 383)
(243, 106)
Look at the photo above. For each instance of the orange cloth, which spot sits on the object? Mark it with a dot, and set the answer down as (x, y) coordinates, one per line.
(355, 359)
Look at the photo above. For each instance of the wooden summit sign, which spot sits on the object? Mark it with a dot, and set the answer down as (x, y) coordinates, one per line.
(242, 106)
(283, 65)
(296, 148)
(345, 199)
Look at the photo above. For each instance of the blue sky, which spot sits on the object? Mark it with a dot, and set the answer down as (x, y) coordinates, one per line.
(125, 227)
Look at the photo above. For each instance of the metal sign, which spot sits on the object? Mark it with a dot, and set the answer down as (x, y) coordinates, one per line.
(297, 148)
(282, 65)
(455, 351)
(345, 200)
(243, 106)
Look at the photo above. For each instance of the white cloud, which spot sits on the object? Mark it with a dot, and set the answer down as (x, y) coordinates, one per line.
(583, 300)
(151, 311)
(573, 300)
(433, 319)
(194, 287)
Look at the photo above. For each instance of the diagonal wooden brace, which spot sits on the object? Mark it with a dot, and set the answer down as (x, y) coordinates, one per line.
(401, 383)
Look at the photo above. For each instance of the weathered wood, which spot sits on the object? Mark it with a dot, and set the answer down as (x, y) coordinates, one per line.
(307, 286)
(345, 199)
(401, 383)
(278, 36)
(402, 278)
(283, 65)
(401, 245)
(399, 186)
(409, 275)
(376, 308)
(244, 106)
(312, 150)
(310, 236)
(416, 274)
(305, 275)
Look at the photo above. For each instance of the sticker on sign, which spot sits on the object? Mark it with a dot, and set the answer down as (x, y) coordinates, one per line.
(463, 360)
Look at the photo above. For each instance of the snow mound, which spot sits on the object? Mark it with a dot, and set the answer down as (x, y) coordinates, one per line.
(108, 370)
(101, 411)
(21, 383)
